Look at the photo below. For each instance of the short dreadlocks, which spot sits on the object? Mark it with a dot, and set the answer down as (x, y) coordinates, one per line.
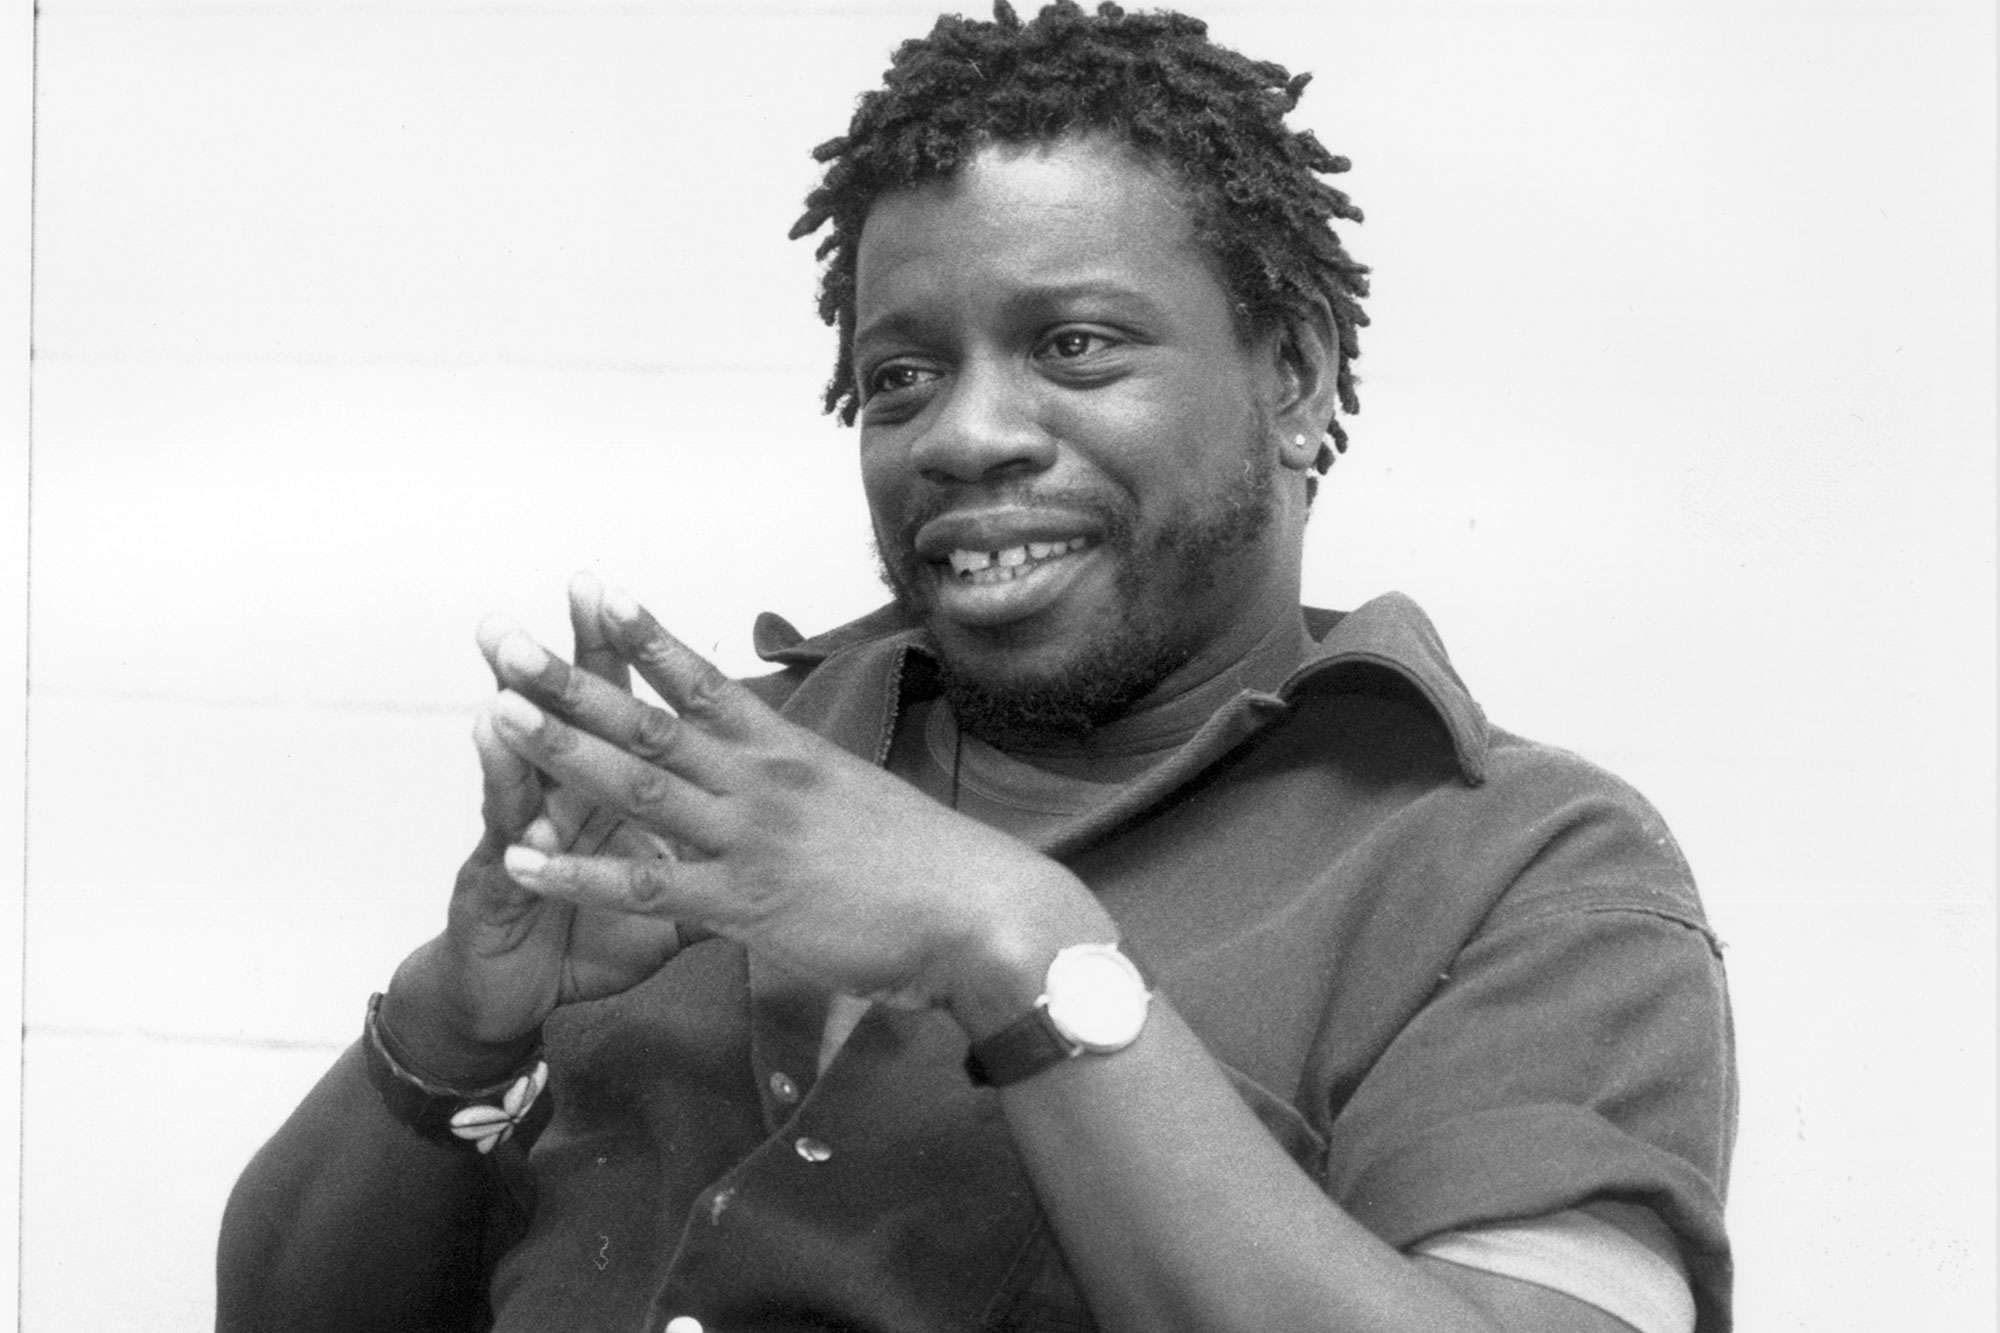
(1212, 116)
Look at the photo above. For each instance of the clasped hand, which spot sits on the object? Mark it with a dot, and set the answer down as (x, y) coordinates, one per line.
(736, 822)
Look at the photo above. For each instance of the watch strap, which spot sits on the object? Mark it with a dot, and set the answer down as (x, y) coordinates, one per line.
(1026, 1046)
(1032, 1042)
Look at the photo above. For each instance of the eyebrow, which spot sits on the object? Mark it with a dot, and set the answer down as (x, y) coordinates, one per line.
(905, 323)
(899, 325)
(1086, 289)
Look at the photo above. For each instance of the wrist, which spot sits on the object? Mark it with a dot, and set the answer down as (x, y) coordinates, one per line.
(1094, 1002)
(438, 1037)
(999, 988)
(1004, 968)
(483, 1117)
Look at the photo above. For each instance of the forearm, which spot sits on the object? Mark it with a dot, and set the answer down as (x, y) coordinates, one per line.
(348, 1220)
(1177, 1210)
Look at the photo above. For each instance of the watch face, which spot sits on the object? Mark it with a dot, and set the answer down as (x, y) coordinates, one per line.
(1096, 997)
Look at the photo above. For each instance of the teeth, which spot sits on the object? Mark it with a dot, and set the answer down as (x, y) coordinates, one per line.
(1001, 566)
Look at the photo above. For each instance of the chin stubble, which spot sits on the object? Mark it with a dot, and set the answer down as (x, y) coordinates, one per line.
(1109, 675)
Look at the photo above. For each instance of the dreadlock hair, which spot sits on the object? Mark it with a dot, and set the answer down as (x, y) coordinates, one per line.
(1211, 116)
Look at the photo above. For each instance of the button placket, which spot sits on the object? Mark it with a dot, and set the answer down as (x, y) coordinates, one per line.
(786, 1019)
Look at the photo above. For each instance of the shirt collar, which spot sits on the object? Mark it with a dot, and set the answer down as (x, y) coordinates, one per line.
(1388, 646)
(1385, 647)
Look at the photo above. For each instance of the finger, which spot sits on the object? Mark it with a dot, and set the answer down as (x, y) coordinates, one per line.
(657, 798)
(689, 682)
(576, 824)
(687, 892)
(595, 652)
(542, 835)
(512, 793)
(565, 810)
(488, 635)
(598, 831)
(628, 839)
(609, 713)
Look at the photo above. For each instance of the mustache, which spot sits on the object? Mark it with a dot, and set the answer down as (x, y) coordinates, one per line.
(1112, 513)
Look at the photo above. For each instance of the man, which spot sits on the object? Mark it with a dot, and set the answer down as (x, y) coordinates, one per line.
(1091, 939)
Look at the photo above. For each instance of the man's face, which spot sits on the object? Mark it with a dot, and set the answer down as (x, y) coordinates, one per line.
(1067, 446)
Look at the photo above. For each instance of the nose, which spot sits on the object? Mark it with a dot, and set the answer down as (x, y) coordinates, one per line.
(984, 428)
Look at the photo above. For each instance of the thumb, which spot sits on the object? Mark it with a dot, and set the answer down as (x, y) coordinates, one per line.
(512, 792)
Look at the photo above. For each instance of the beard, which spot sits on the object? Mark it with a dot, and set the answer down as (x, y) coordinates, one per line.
(1174, 564)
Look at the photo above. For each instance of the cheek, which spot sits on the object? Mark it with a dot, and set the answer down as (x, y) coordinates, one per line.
(1173, 440)
(883, 479)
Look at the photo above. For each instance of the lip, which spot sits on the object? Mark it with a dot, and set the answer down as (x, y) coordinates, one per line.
(998, 529)
(1035, 588)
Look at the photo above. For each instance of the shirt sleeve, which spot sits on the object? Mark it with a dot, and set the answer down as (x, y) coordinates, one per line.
(1577, 1048)
(347, 1219)
(1617, 1257)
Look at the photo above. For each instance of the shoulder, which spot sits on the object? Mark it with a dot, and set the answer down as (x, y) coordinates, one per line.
(1584, 837)
(1551, 826)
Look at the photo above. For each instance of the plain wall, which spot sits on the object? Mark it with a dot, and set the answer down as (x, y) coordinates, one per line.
(356, 321)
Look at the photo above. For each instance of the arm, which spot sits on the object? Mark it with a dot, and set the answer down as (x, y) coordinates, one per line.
(1175, 1207)
(1179, 1211)
(348, 1219)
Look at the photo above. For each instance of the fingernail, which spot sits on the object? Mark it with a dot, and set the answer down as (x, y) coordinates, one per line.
(541, 836)
(493, 629)
(618, 604)
(521, 655)
(516, 712)
(586, 587)
(524, 863)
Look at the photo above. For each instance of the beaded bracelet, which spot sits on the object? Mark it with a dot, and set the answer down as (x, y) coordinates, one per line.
(484, 1116)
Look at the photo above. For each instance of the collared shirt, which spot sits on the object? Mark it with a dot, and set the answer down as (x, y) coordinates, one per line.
(1460, 977)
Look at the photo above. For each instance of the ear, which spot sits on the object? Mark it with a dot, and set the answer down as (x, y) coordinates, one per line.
(1304, 351)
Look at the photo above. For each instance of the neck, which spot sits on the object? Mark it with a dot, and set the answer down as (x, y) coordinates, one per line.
(1162, 723)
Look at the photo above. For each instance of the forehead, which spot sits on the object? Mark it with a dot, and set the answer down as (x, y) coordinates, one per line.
(1071, 210)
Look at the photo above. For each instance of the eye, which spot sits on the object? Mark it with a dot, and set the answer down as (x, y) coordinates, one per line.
(1073, 344)
(893, 376)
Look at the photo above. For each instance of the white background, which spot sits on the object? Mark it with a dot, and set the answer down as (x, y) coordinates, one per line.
(356, 321)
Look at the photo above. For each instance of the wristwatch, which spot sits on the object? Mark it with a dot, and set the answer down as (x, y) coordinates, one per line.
(1093, 1002)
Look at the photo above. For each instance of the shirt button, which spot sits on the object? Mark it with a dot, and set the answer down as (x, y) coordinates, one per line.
(783, 1088)
(682, 1323)
(813, 1150)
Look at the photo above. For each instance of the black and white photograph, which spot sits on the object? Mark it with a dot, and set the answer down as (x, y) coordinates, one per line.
(863, 665)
